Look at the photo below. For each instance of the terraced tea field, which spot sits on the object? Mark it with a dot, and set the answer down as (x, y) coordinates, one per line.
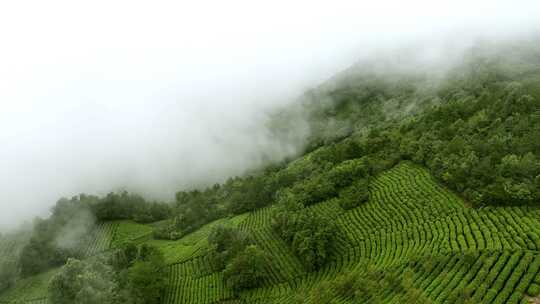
(31, 290)
(100, 239)
(412, 233)
(129, 231)
(413, 228)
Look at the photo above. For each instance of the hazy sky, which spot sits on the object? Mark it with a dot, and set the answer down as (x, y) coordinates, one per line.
(152, 96)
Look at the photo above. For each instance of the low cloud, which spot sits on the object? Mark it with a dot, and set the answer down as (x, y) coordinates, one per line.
(73, 234)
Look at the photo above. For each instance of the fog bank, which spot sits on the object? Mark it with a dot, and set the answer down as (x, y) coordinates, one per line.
(156, 97)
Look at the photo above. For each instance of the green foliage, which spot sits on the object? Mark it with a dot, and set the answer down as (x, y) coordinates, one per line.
(28, 288)
(313, 190)
(232, 251)
(534, 290)
(427, 247)
(195, 208)
(346, 284)
(124, 205)
(83, 283)
(61, 236)
(254, 192)
(124, 257)
(130, 275)
(310, 235)
(225, 243)
(480, 145)
(345, 173)
(477, 136)
(368, 284)
(246, 270)
(355, 194)
(476, 132)
(322, 294)
(146, 280)
(69, 231)
(8, 274)
(324, 185)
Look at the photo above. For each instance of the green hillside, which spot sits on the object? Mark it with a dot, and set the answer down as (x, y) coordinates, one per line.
(410, 189)
(414, 241)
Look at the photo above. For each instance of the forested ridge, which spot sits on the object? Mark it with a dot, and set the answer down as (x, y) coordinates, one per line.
(411, 189)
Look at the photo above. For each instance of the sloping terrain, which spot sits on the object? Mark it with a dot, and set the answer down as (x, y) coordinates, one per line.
(437, 249)
(103, 237)
(431, 191)
(418, 240)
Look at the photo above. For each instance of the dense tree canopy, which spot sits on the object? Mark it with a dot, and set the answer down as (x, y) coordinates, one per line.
(246, 270)
(83, 282)
(131, 275)
(225, 243)
(310, 235)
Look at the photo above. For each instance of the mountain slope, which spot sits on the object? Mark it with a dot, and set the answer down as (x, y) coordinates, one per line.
(410, 190)
(434, 247)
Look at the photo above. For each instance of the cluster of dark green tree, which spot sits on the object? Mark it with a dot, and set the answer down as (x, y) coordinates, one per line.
(65, 233)
(476, 130)
(124, 205)
(192, 209)
(332, 174)
(309, 234)
(243, 263)
(131, 274)
(482, 143)
(237, 195)
(44, 249)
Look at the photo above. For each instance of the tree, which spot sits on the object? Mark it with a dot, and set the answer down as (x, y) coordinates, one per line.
(146, 281)
(39, 255)
(246, 270)
(309, 234)
(146, 277)
(345, 173)
(312, 239)
(81, 282)
(133, 275)
(8, 274)
(124, 257)
(225, 243)
(355, 194)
